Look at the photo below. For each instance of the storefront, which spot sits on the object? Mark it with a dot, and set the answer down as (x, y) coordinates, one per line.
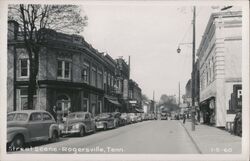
(207, 109)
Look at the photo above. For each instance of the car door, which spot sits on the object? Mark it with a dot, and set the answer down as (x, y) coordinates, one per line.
(35, 126)
(88, 122)
(92, 121)
(47, 121)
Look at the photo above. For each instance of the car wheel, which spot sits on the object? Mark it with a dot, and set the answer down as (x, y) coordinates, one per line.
(17, 143)
(82, 132)
(95, 129)
(54, 136)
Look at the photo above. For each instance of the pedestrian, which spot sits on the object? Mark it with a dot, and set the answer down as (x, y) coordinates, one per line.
(54, 113)
(184, 118)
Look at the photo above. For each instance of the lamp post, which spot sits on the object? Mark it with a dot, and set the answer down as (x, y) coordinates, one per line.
(192, 74)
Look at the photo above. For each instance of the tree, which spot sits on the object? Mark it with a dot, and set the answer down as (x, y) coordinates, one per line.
(168, 102)
(144, 97)
(32, 20)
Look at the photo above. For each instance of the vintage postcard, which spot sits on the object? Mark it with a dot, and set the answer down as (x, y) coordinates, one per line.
(124, 80)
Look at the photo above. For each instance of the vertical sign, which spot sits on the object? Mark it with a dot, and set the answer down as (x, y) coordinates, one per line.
(125, 89)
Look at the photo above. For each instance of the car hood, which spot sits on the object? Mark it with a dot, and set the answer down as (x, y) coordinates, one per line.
(16, 124)
(13, 129)
(103, 119)
(69, 122)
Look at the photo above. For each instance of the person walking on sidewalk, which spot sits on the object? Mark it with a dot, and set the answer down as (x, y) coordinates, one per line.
(184, 118)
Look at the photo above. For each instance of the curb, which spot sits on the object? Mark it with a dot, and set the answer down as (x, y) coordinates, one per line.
(192, 139)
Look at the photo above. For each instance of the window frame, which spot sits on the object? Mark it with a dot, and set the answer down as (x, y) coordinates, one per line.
(28, 68)
(63, 70)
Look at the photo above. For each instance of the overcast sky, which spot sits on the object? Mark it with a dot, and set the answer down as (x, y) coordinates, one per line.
(150, 34)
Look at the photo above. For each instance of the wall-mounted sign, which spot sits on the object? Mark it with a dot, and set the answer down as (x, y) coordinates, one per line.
(133, 101)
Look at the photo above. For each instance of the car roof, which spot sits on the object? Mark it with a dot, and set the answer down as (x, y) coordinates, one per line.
(78, 112)
(27, 111)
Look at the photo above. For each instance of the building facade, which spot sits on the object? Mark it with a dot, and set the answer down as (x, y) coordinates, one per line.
(135, 97)
(73, 76)
(220, 59)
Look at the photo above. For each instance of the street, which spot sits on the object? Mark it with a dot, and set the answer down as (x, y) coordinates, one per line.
(155, 137)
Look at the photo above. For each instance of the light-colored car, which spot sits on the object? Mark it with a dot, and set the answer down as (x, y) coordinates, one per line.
(78, 123)
(126, 117)
(133, 117)
(106, 121)
(28, 126)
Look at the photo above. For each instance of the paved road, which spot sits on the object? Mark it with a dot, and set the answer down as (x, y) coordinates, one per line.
(148, 137)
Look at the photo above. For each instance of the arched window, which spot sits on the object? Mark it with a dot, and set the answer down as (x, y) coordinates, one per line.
(63, 103)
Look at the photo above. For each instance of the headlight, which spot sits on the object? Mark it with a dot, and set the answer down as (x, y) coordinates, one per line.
(76, 126)
(61, 126)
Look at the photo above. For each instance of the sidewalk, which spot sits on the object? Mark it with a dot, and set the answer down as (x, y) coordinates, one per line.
(211, 140)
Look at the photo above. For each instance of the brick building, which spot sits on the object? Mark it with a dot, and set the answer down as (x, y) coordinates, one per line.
(72, 75)
(220, 59)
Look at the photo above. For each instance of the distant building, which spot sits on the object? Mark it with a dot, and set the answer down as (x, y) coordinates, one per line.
(135, 97)
(220, 69)
(187, 96)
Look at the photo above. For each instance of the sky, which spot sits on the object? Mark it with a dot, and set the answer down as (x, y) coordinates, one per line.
(150, 35)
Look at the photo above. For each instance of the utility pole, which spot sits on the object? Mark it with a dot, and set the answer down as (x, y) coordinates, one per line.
(179, 101)
(154, 101)
(129, 66)
(192, 74)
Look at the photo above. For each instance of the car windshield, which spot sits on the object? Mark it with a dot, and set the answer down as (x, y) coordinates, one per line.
(17, 117)
(71, 116)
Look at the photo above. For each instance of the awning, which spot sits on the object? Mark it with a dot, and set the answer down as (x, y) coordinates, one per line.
(115, 102)
(139, 110)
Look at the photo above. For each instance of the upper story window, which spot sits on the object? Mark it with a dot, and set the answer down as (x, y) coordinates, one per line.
(63, 69)
(85, 72)
(93, 76)
(99, 79)
(105, 78)
(24, 67)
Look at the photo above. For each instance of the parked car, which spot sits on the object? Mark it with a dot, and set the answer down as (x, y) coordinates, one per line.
(139, 117)
(106, 121)
(126, 118)
(78, 123)
(237, 129)
(133, 117)
(164, 116)
(28, 126)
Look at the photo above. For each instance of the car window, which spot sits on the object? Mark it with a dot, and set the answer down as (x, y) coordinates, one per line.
(80, 115)
(10, 117)
(36, 117)
(71, 116)
(46, 116)
(21, 117)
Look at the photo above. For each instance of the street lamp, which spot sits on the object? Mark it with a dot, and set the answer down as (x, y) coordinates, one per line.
(179, 49)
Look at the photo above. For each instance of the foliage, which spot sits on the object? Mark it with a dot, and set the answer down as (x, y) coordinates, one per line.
(168, 103)
(32, 18)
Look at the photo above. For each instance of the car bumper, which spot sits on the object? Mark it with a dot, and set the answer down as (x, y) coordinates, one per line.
(69, 131)
(99, 125)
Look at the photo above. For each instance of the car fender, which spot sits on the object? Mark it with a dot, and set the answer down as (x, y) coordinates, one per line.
(81, 124)
(14, 131)
(52, 128)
